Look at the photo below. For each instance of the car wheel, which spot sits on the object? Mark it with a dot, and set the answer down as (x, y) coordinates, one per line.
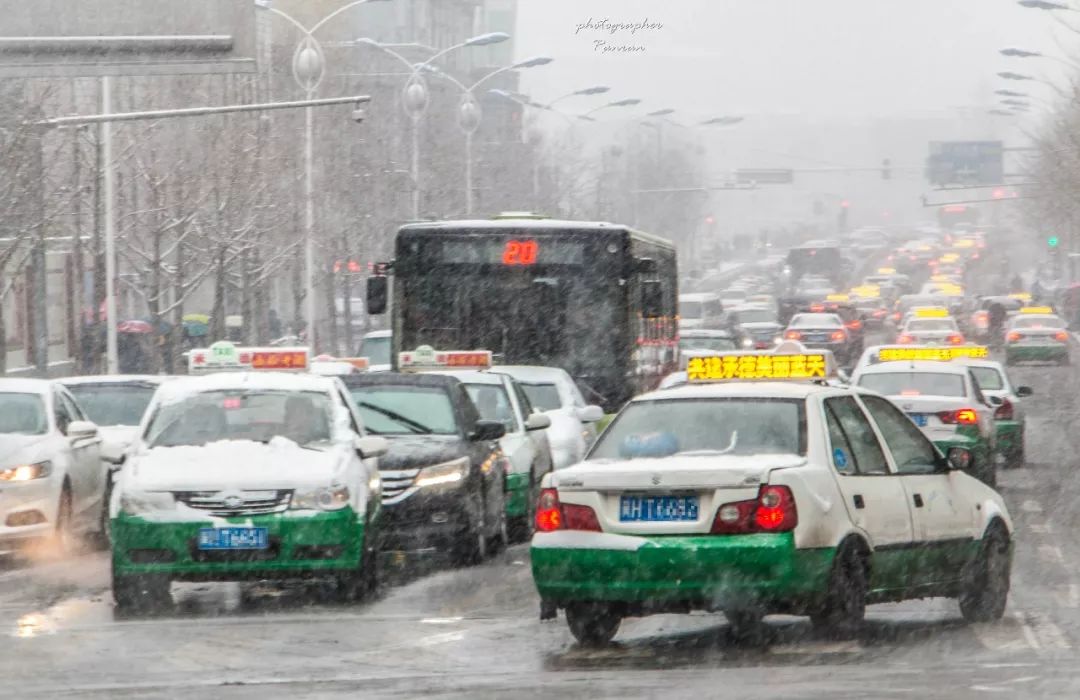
(141, 595)
(986, 585)
(62, 541)
(841, 612)
(747, 624)
(593, 624)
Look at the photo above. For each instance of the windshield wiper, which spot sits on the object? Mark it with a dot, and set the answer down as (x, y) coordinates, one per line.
(415, 426)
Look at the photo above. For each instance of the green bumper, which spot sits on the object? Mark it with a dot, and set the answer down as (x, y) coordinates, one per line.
(1010, 436)
(1036, 353)
(321, 542)
(715, 570)
(517, 495)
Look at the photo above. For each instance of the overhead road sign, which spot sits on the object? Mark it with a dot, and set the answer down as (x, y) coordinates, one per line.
(965, 163)
(775, 176)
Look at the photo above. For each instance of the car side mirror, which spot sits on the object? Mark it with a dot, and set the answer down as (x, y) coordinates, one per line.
(590, 414)
(81, 430)
(487, 430)
(995, 401)
(378, 292)
(538, 421)
(371, 446)
(1024, 391)
(959, 458)
(652, 299)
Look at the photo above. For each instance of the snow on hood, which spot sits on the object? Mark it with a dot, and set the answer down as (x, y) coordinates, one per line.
(678, 471)
(236, 464)
(22, 449)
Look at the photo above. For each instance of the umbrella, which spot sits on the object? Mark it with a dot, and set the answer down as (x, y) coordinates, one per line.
(134, 327)
(196, 325)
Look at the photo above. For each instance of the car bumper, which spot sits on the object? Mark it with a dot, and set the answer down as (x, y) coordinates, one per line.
(712, 572)
(517, 495)
(426, 521)
(1010, 435)
(300, 545)
(1036, 353)
(31, 502)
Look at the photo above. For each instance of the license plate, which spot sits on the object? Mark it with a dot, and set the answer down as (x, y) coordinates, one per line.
(918, 419)
(234, 538)
(658, 509)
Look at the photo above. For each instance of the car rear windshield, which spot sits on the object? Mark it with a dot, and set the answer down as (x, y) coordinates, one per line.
(988, 378)
(816, 321)
(405, 410)
(737, 426)
(23, 414)
(258, 415)
(931, 324)
(113, 404)
(914, 384)
(1038, 322)
(543, 396)
(705, 344)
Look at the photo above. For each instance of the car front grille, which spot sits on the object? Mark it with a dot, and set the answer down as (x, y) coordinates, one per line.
(227, 504)
(396, 484)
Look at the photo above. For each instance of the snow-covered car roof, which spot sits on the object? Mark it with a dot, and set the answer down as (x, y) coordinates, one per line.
(115, 379)
(751, 390)
(533, 374)
(378, 334)
(474, 376)
(269, 381)
(25, 386)
(699, 296)
(1041, 317)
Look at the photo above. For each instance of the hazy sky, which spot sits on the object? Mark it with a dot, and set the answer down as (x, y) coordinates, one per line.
(788, 56)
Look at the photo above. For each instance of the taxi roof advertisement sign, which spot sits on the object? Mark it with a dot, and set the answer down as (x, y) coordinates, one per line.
(758, 366)
(934, 354)
(223, 356)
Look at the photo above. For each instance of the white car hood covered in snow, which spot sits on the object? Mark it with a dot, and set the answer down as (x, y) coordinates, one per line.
(675, 472)
(236, 464)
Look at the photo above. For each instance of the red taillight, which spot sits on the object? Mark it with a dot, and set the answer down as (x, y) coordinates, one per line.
(879, 313)
(1062, 336)
(963, 416)
(905, 339)
(1004, 411)
(955, 339)
(1012, 337)
(817, 308)
(552, 515)
(839, 336)
(793, 335)
(896, 316)
(773, 511)
(854, 325)
(549, 515)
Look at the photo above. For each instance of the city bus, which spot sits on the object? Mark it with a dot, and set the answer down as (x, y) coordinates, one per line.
(595, 299)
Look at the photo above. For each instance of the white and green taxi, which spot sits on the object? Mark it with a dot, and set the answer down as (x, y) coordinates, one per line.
(744, 493)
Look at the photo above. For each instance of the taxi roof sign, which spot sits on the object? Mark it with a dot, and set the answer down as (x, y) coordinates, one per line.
(224, 356)
(1043, 310)
(426, 357)
(780, 365)
(908, 353)
(866, 291)
(838, 297)
(1022, 296)
(886, 270)
(930, 312)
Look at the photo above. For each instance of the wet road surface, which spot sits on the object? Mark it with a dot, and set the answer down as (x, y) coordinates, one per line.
(475, 632)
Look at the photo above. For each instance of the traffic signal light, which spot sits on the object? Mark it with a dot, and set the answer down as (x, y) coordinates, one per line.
(1052, 241)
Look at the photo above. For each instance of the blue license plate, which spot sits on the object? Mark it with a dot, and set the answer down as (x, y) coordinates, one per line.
(658, 509)
(234, 538)
(918, 419)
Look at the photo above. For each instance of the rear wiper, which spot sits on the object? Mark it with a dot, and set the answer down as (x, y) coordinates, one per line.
(415, 426)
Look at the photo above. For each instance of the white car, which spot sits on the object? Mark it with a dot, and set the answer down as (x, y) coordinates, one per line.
(943, 399)
(525, 445)
(761, 497)
(52, 478)
(573, 423)
(377, 347)
(116, 403)
(931, 331)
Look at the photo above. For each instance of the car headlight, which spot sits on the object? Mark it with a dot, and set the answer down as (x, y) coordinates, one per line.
(139, 502)
(748, 342)
(26, 472)
(332, 498)
(444, 474)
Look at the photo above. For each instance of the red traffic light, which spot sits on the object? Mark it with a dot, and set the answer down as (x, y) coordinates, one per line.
(710, 220)
(844, 204)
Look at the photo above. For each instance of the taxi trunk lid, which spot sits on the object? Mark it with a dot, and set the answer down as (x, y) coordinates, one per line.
(679, 472)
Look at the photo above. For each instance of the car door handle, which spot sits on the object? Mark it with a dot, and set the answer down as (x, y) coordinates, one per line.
(918, 500)
(859, 503)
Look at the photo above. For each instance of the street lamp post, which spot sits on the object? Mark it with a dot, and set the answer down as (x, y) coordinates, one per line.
(309, 66)
(415, 95)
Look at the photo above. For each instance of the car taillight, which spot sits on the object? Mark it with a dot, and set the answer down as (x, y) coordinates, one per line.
(905, 339)
(772, 511)
(879, 313)
(955, 339)
(1062, 336)
(793, 335)
(817, 308)
(552, 515)
(1012, 337)
(839, 336)
(854, 325)
(896, 316)
(962, 416)
(1004, 411)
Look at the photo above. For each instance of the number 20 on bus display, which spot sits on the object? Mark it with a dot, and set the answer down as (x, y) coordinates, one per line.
(520, 252)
